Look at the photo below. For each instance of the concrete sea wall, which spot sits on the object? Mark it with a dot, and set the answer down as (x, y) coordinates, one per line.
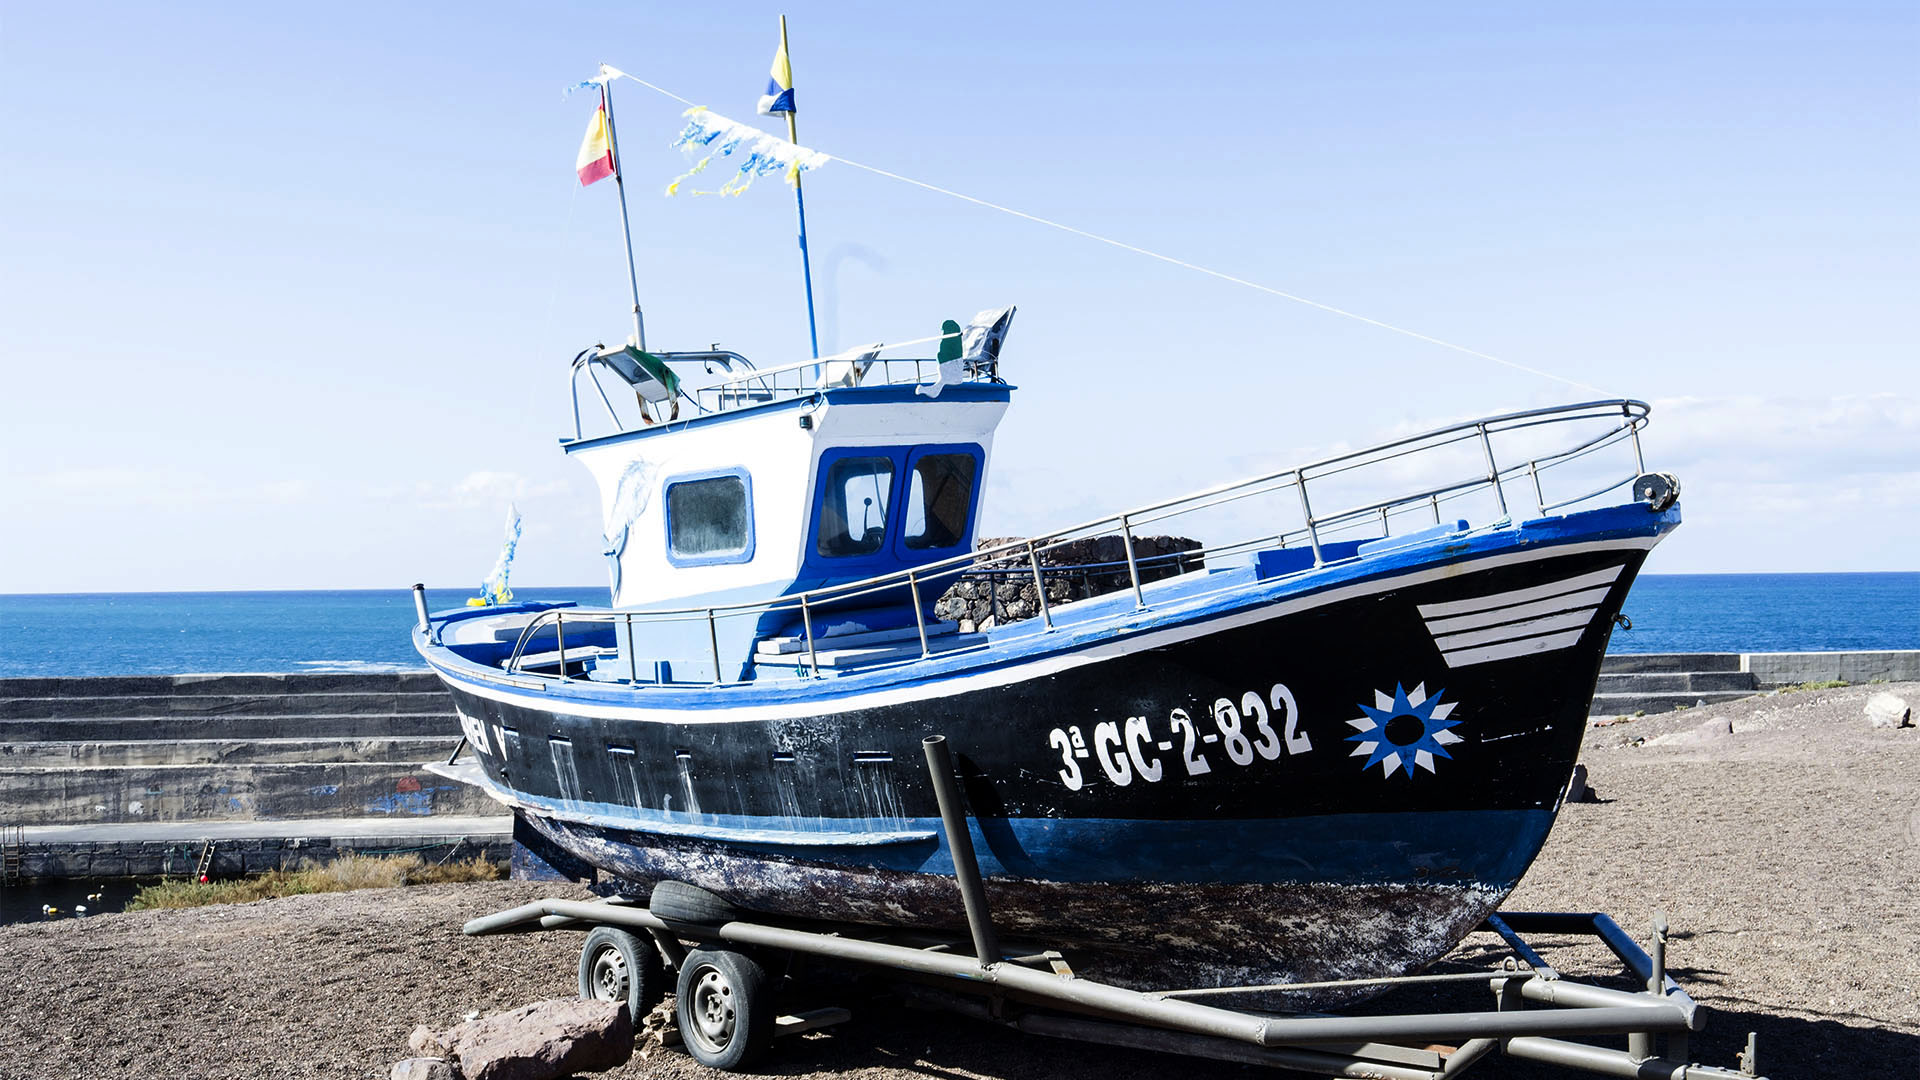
(44, 859)
(1661, 682)
(138, 775)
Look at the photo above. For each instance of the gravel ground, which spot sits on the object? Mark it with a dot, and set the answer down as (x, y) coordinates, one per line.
(1780, 835)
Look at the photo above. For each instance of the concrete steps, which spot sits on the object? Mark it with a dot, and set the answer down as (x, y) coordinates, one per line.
(158, 752)
(1667, 681)
(227, 748)
(208, 793)
(73, 706)
(161, 685)
(253, 727)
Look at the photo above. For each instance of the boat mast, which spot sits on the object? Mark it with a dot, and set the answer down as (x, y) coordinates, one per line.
(800, 201)
(626, 229)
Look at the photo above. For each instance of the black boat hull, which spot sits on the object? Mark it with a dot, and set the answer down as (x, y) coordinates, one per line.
(1333, 784)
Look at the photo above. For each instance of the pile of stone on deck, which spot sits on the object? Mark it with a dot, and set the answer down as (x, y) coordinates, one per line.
(1002, 590)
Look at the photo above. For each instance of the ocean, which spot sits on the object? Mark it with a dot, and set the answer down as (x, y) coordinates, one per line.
(368, 630)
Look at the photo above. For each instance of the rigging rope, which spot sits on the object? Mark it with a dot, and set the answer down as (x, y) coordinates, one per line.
(614, 72)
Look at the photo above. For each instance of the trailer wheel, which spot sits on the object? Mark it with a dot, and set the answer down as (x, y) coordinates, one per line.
(617, 966)
(683, 903)
(723, 1007)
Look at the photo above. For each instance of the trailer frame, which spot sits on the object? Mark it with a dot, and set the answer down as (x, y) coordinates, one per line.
(1039, 993)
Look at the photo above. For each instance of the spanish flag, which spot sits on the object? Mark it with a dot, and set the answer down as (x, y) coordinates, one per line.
(596, 151)
(779, 95)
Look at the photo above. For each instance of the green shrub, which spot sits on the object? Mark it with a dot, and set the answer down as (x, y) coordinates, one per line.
(1823, 684)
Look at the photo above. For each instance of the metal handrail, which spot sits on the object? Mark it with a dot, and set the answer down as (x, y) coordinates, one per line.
(588, 358)
(1628, 417)
(760, 387)
(756, 386)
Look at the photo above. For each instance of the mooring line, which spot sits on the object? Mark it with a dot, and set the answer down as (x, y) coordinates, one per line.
(1168, 259)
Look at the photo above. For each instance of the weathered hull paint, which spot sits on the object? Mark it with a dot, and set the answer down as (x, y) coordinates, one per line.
(1147, 935)
(1313, 789)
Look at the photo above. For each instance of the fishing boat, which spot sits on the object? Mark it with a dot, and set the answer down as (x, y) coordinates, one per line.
(1323, 751)
(1308, 725)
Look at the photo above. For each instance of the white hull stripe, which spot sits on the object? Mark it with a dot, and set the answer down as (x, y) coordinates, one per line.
(1521, 596)
(1052, 664)
(1507, 650)
(1571, 620)
(1587, 599)
(1519, 622)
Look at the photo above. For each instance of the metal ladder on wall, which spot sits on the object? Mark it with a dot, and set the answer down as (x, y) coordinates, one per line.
(205, 870)
(12, 852)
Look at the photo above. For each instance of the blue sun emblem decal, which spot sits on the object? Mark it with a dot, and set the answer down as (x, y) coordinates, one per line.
(1405, 730)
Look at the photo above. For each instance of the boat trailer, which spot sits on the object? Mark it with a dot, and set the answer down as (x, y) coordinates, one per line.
(725, 1013)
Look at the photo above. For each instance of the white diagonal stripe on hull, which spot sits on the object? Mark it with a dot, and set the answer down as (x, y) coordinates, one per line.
(1528, 629)
(1521, 596)
(1509, 649)
(1589, 599)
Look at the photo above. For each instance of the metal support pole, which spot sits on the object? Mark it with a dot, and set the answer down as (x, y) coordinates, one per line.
(560, 640)
(806, 622)
(1313, 533)
(800, 203)
(420, 609)
(1436, 508)
(1133, 567)
(966, 868)
(919, 616)
(626, 229)
(1539, 495)
(1640, 1043)
(1040, 584)
(1595, 1059)
(1493, 471)
(713, 642)
(633, 654)
(1633, 429)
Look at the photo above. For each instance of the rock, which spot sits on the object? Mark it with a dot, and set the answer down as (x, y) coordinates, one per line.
(1886, 710)
(426, 1043)
(1709, 731)
(656, 1031)
(543, 1041)
(423, 1068)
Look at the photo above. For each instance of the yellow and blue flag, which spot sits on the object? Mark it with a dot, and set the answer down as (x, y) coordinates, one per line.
(779, 95)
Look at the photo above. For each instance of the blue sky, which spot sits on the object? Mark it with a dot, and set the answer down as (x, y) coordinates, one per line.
(287, 295)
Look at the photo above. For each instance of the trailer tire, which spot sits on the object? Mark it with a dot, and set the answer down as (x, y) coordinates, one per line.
(724, 1008)
(684, 903)
(618, 966)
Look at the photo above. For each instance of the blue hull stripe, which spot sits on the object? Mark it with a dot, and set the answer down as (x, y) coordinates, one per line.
(1482, 847)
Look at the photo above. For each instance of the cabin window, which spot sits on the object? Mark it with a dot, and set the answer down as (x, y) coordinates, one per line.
(939, 498)
(709, 520)
(853, 511)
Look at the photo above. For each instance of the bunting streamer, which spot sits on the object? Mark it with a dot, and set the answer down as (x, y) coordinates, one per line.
(760, 153)
(493, 589)
(610, 72)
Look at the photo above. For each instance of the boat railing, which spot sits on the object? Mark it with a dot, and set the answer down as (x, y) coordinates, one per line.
(747, 385)
(592, 363)
(808, 377)
(1618, 424)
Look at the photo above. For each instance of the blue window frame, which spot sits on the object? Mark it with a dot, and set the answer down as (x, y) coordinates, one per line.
(710, 518)
(938, 491)
(878, 508)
